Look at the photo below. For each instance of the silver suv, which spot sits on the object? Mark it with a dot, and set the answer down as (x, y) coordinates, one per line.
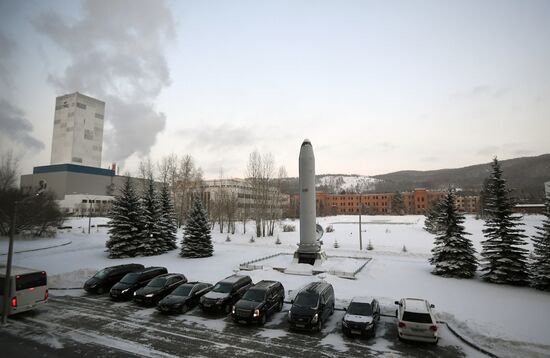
(416, 321)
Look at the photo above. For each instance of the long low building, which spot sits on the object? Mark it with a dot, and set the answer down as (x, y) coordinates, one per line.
(79, 189)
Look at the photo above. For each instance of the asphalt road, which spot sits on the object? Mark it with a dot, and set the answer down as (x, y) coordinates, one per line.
(94, 326)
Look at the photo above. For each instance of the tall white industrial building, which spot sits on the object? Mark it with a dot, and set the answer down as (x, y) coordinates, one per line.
(78, 130)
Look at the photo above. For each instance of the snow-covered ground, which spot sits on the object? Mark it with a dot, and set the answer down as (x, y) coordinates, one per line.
(511, 321)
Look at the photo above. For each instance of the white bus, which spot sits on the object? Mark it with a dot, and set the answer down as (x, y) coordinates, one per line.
(28, 287)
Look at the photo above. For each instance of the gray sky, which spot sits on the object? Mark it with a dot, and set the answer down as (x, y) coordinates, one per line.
(376, 86)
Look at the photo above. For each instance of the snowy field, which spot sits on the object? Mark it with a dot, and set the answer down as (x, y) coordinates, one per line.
(509, 321)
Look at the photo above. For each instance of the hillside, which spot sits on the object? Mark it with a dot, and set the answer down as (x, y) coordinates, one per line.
(526, 176)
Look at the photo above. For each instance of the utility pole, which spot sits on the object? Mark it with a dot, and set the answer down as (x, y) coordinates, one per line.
(360, 232)
(7, 281)
(89, 216)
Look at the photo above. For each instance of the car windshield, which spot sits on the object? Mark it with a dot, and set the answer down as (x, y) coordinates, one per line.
(307, 299)
(417, 317)
(183, 290)
(360, 309)
(102, 274)
(157, 282)
(254, 295)
(222, 287)
(130, 278)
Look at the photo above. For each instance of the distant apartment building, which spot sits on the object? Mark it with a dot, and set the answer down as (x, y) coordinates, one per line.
(418, 201)
(243, 194)
(78, 130)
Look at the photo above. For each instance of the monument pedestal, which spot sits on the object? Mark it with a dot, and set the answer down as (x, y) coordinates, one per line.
(311, 258)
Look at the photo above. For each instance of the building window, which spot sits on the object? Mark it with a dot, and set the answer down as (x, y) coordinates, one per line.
(99, 116)
(80, 105)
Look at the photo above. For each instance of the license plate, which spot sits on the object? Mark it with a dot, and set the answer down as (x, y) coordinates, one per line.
(417, 329)
(354, 331)
(300, 325)
(164, 309)
(206, 304)
(242, 321)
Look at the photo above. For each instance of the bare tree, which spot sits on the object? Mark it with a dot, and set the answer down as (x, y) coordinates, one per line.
(260, 172)
(9, 169)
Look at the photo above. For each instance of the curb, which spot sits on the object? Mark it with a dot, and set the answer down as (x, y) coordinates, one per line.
(64, 288)
(468, 341)
(40, 249)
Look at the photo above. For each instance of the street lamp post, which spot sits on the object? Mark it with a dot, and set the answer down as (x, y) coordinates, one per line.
(360, 233)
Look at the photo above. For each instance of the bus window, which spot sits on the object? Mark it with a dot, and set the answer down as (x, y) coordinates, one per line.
(35, 279)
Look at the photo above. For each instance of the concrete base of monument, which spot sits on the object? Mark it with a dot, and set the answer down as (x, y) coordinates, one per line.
(341, 266)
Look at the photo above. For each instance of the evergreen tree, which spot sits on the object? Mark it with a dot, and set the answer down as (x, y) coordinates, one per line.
(397, 204)
(152, 241)
(540, 267)
(125, 226)
(167, 218)
(453, 254)
(196, 241)
(431, 223)
(503, 260)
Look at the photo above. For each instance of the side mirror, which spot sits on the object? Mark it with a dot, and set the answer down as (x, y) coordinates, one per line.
(396, 302)
(345, 308)
(291, 302)
(432, 306)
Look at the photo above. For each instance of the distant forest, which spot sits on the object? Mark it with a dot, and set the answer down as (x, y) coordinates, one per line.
(525, 177)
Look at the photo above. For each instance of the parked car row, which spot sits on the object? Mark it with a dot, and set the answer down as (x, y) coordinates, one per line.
(246, 302)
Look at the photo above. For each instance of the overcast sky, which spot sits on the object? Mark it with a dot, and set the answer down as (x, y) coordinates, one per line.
(376, 86)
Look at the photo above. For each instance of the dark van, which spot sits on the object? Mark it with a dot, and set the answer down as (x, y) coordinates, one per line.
(125, 288)
(312, 306)
(225, 293)
(259, 302)
(104, 279)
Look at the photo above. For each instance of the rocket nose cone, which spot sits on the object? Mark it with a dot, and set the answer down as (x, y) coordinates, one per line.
(306, 142)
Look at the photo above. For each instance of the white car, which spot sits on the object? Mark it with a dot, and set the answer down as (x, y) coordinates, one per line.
(416, 321)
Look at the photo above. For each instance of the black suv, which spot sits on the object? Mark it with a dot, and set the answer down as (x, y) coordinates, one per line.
(312, 306)
(225, 293)
(258, 302)
(158, 288)
(125, 288)
(362, 317)
(184, 297)
(104, 279)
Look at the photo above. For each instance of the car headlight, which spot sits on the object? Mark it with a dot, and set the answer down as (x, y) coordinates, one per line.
(344, 323)
(135, 293)
(256, 313)
(315, 318)
(124, 291)
(149, 295)
(289, 314)
(233, 310)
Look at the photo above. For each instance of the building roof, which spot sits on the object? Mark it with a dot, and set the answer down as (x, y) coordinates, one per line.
(73, 168)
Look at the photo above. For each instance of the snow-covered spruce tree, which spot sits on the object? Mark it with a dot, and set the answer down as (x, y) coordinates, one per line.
(196, 241)
(152, 241)
(453, 254)
(540, 267)
(503, 260)
(431, 223)
(168, 226)
(125, 226)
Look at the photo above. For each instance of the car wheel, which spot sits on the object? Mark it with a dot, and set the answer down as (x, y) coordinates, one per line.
(332, 310)
(319, 326)
(184, 309)
(100, 290)
(263, 320)
(280, 306)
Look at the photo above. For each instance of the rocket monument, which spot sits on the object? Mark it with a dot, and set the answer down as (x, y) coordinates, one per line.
(309, 249)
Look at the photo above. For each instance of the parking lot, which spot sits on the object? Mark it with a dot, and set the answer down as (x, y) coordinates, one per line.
(81, 322)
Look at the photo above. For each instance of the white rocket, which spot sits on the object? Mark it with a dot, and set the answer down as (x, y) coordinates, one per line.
(308, 236)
